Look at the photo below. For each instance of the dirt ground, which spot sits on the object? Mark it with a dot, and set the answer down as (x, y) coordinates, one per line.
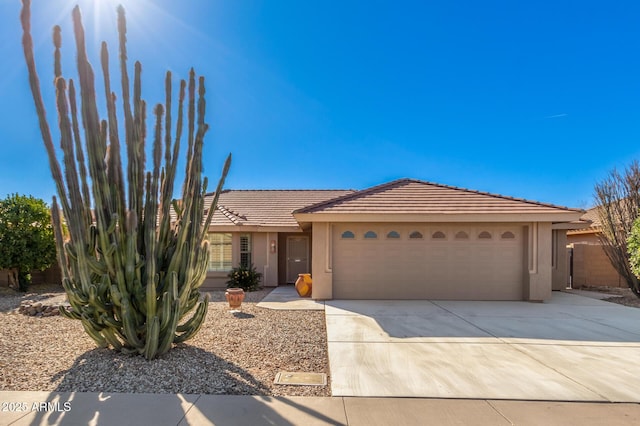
(621, 296)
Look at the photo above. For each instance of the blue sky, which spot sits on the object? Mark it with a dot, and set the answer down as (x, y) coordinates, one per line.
(537, 100)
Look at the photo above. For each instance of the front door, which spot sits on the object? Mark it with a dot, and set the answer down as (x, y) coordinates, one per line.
(297, 257)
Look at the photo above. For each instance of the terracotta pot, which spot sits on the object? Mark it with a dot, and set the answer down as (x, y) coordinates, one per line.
(234, 296)
(303, 285)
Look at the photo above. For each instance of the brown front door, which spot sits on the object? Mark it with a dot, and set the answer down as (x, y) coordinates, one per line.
(297, 257)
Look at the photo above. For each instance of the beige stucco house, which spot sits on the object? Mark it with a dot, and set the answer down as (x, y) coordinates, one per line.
(406, 239)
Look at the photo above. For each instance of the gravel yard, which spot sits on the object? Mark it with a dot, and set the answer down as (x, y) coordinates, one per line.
(234, 353)
(619, 295)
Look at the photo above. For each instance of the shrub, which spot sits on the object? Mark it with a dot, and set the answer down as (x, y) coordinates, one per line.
(244, 277)
(26, 237)
(633, 247)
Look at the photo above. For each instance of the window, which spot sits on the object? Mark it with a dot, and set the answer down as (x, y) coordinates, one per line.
(484, 235)
(461, 235)
(346, 235)
(415, 235)
(438, 235)
(508, 235)
(370, 235)
(219, 252)
(245, 250)
(393, 234)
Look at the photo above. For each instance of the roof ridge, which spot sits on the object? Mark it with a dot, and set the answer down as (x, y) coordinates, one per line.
(349, 196)
(231, 215)
(491, 194)
(404, 181)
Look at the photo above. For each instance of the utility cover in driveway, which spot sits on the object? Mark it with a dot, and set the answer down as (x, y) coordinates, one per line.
(306, 379)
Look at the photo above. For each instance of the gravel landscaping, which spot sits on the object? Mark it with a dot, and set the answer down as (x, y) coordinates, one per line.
(234, 353)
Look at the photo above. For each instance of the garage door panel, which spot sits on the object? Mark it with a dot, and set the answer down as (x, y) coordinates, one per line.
(471, 268)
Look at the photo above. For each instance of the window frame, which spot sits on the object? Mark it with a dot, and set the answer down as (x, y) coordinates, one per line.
(224, 263)
(245, 261)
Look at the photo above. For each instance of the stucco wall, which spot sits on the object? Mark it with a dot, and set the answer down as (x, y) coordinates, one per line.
(51, 275)
(591, 267)
(263, 259)
(586, 238)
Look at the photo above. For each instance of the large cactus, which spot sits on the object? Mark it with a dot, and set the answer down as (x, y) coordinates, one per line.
(132, 275)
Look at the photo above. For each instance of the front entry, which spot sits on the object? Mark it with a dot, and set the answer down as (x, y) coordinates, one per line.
(297, 257)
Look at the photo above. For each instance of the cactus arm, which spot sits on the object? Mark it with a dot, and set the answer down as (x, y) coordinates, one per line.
(153, 333)
(191, 327)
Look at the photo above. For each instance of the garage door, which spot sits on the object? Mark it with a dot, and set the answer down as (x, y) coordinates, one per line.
(441, 261)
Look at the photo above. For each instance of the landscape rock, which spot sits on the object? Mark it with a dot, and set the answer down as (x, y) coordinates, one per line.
(39, 309)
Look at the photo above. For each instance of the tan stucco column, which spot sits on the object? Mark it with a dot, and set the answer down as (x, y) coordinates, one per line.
(538, 281)
(321, 262)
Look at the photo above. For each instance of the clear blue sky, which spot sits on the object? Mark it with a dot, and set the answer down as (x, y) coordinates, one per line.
(537, 100)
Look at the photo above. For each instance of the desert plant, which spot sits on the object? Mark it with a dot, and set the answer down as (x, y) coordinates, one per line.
(618, 205)
(633, 247)
(26, 237)
(131, 274)
(244, 277)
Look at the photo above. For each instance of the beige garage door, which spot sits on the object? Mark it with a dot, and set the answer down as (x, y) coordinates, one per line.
(446, 262)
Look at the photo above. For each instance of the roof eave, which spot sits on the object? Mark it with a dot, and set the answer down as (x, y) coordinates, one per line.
(255, 228)
(557, 217)
(574, 225)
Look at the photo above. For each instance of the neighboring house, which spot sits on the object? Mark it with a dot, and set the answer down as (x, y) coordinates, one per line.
(588, 263)
(405, 239)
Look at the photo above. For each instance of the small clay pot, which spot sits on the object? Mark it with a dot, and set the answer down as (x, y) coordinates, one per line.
(234, 296)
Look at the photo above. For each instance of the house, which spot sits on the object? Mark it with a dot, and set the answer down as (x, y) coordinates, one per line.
(406, 239)
(588, 262)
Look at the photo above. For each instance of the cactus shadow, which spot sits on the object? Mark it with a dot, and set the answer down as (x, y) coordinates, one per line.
(184, 369)
(107, 387)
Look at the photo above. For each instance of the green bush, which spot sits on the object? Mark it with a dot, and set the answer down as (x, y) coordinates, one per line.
(26, 237)
(246, 278)
(633, 247)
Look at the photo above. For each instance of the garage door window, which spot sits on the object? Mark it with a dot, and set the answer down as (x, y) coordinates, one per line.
(415, 235)
(484, 235)
(370, 235)
(439, 235)
(508, 235)
(348, 235)
(393, 235)
(461, 235)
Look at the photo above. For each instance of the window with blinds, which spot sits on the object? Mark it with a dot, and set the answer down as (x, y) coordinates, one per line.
(219, 252)
(245, 250)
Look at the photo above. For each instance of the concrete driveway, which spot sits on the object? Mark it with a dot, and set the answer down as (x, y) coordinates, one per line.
(570, 349)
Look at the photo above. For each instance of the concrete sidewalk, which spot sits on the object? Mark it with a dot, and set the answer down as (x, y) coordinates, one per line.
(45, 408)
(285, 298)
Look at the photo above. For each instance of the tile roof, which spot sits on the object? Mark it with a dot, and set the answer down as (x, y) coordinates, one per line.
(265, 207)
(415, 196)
(592, 216)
